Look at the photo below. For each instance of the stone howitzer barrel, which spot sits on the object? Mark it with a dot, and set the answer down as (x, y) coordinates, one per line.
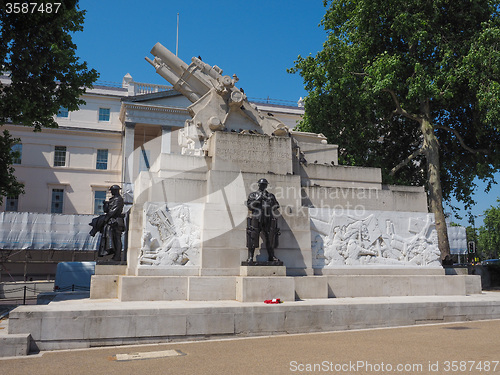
(214, 96)
(173, 69)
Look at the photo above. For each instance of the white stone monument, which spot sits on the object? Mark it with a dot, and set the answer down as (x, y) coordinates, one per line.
(188, 221)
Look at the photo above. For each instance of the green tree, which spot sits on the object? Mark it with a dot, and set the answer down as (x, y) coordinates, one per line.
(38, 55)
(411, 87)
(471, 234)
(489, 233)
(9, 186)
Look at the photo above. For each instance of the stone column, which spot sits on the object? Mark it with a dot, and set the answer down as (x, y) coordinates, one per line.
(128, 162)
(166, 139)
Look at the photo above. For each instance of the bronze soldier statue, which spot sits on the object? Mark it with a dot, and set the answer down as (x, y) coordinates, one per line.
(262, 221)
(111, 226)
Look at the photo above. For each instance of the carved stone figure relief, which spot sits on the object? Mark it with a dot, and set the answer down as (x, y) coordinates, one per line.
(384, 238)
(170, 237)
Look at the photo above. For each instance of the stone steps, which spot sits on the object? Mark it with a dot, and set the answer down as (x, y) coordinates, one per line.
(89, 323)
(13, 345)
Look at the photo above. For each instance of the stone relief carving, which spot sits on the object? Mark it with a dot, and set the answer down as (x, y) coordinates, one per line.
(381, 238)
(170, 238)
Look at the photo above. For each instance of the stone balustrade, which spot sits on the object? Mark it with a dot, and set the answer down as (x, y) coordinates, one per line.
(148, 88)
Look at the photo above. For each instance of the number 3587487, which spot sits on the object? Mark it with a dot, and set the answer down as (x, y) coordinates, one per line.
(25, 8)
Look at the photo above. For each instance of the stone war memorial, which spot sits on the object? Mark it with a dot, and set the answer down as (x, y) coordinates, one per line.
(189, 217)
(339, 233)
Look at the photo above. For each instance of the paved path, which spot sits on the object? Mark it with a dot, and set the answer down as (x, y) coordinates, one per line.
(453, 348)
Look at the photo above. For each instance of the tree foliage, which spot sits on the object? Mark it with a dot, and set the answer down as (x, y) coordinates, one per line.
(412, 87)
(9, 185)
(489, 233)
(37, 53)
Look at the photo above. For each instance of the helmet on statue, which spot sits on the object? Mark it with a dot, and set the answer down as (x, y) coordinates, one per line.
(263, 181)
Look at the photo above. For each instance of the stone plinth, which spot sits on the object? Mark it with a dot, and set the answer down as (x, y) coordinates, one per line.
(400, 285)
(153, 288)
(104, 286)
(257, 270)
(176, 288)
(257, 283)
(255, 289)
(311, 287)
(105, 282)
(211, 288)
(109, 269)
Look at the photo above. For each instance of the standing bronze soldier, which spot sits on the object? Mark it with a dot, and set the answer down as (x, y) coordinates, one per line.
(262, 221)
(111, 226)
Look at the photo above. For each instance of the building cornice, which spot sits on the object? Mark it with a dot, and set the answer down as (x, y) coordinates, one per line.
(152, 114)
(76, 129)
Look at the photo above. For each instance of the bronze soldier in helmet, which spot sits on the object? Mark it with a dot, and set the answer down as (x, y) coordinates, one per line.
(262, 221)
(111, 225)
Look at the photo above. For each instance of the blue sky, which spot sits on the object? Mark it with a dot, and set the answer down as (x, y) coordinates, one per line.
(256, 40)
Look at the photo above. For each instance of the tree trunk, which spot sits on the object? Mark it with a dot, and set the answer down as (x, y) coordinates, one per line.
(435, 193)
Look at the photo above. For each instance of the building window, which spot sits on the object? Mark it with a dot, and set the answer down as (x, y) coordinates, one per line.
(57, 201)
(12, 203)
(102, 159)
(60, 156)
(99, 198)
(144, 160)
(104, 114)
(63, 112)
(18, 149)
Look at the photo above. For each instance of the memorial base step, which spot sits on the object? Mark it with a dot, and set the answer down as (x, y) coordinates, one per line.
(257, 288)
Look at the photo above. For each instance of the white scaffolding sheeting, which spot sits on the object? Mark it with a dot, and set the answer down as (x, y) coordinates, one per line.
(28, 230)
(457, 237)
